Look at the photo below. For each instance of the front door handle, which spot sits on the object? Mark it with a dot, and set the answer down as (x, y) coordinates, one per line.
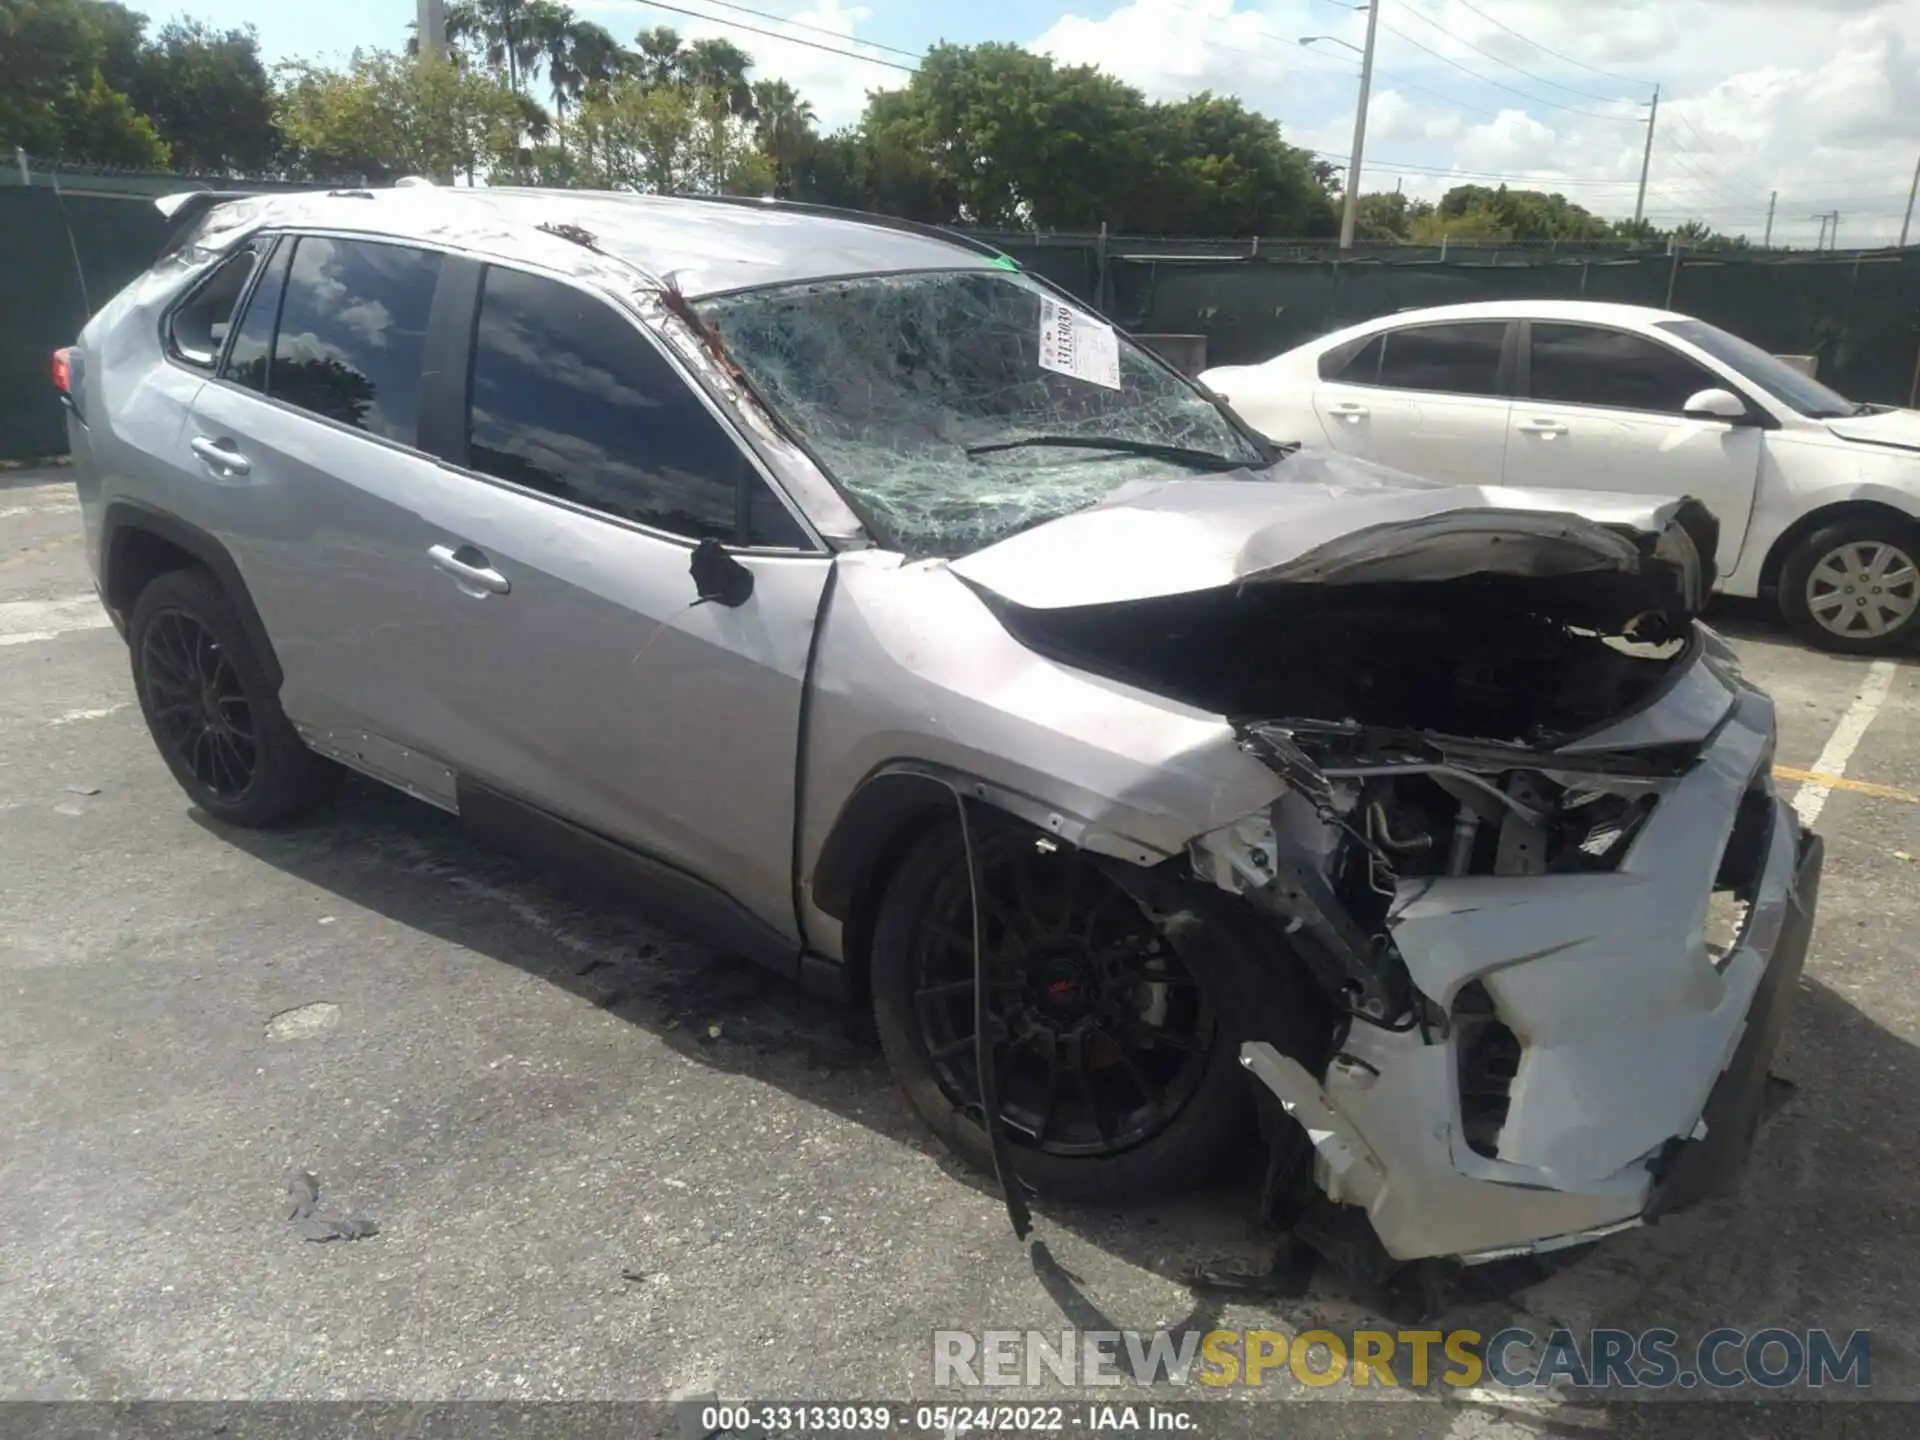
(222, 455)
(1545, 428)
(471, 568)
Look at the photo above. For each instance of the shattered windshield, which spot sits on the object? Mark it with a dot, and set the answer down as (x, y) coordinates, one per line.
(957, 407)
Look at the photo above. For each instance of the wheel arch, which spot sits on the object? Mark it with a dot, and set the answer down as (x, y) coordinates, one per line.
(889, 811)
(139, 544)
(1857, 507)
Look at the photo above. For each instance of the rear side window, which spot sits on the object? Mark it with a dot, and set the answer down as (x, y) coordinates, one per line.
(1355, 363)
(1585, 365)
(1446, 359)
(569, 398)
(353, 324)
(252, 347)
(199, 326)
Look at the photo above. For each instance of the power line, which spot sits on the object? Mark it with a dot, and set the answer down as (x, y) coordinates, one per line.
(1707, 145)
(1537, 79)
(1524, 95)
(816, 29)
(724, 23)
(1565, 59)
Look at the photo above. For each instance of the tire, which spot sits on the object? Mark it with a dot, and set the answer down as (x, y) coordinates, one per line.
(1821, 567)
(1188, 1145)
(213, 716)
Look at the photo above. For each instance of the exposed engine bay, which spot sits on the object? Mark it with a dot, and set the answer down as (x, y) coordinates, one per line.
(1493, 656)
(1528, 849)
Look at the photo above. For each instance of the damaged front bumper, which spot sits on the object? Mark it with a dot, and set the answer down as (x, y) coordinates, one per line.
(1639, 1052)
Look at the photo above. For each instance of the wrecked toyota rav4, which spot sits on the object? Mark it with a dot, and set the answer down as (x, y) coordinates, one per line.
(859, 602)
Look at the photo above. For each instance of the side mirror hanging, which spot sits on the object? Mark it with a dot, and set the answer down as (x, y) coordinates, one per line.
(718, 577)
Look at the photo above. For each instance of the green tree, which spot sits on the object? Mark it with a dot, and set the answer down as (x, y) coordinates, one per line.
(1389, 216)
(665, 140)
(55, 98)
(209, 96)
(1000, 136)
(660, 56)
(1221, 169)
(388, 115)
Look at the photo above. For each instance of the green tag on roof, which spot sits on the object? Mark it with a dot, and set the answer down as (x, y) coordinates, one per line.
(1005, 262)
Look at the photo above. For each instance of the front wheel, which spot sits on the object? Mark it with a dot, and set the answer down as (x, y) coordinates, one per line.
(1115, 1081)
(1853, 586)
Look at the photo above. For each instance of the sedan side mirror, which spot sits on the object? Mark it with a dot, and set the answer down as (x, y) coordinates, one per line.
(1716, 404)
(718, 577)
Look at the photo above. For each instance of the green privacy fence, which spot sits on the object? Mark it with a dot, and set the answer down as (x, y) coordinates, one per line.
(68, 241)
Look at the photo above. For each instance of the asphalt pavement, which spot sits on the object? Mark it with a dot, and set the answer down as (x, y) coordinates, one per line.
(605, 1163)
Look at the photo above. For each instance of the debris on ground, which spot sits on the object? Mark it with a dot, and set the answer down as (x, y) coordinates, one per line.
(303, 1201)
(81, 789)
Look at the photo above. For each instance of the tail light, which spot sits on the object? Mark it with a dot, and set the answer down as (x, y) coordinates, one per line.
(69, 378)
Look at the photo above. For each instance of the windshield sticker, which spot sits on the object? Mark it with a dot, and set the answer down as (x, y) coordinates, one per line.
(1078, 345)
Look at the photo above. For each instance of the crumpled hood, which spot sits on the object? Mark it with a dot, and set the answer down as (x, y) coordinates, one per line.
(1891, 427)
(1323, 518)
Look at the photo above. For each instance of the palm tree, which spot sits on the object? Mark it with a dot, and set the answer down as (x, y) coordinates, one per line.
(720, 66)
(506, 27)
(662, 57)
(782, 125)
(597, 56)
(551, 27)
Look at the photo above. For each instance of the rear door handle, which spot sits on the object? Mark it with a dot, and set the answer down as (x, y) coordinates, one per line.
(221, 455)
(471, 568)
(1547, 428)
(1346, 410)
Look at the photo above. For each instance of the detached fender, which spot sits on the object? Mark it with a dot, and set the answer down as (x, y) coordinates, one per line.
(138, 542)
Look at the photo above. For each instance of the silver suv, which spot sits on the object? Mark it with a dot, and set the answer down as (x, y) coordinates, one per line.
(865, 605)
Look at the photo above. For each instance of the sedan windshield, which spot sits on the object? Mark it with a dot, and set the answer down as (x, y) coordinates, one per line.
(957, 407)
(1802, 393)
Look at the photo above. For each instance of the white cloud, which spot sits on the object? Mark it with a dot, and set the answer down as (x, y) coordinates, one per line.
(1819, 99)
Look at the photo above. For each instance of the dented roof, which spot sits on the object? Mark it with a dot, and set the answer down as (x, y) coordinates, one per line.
(699, 246)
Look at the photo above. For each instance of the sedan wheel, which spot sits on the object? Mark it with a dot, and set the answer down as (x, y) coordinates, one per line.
(1863, 590)
(1854, 586)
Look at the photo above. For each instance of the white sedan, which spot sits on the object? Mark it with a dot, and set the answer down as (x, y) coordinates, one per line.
(1818, 498)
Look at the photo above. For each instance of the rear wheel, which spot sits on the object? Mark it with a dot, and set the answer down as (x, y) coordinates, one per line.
(1854, 586)
(213, 716)
(1115, 1082)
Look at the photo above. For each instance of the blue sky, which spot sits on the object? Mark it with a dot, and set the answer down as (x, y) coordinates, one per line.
(1816, 99)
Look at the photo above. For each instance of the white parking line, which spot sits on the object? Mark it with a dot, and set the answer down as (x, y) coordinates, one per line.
(1811, 798)
(24, 621)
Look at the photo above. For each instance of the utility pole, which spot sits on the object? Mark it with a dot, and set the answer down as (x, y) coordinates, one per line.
(1823, 217)
(1646, 159)
(1912, 190)
(1833, 235)
(1772, 200)
(1351, 213)
(430, 28)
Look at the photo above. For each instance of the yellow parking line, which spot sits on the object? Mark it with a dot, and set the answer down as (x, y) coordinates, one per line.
(1841, 782)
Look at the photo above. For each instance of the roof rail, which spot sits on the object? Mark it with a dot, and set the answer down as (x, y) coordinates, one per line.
(864, 217)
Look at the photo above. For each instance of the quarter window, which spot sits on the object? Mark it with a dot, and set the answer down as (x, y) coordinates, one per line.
(1444, 359)
(353, 325)
(570, 399)
(1585, 365)
(199, 326)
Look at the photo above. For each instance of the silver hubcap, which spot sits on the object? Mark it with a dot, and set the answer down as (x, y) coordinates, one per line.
(1863, 589)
